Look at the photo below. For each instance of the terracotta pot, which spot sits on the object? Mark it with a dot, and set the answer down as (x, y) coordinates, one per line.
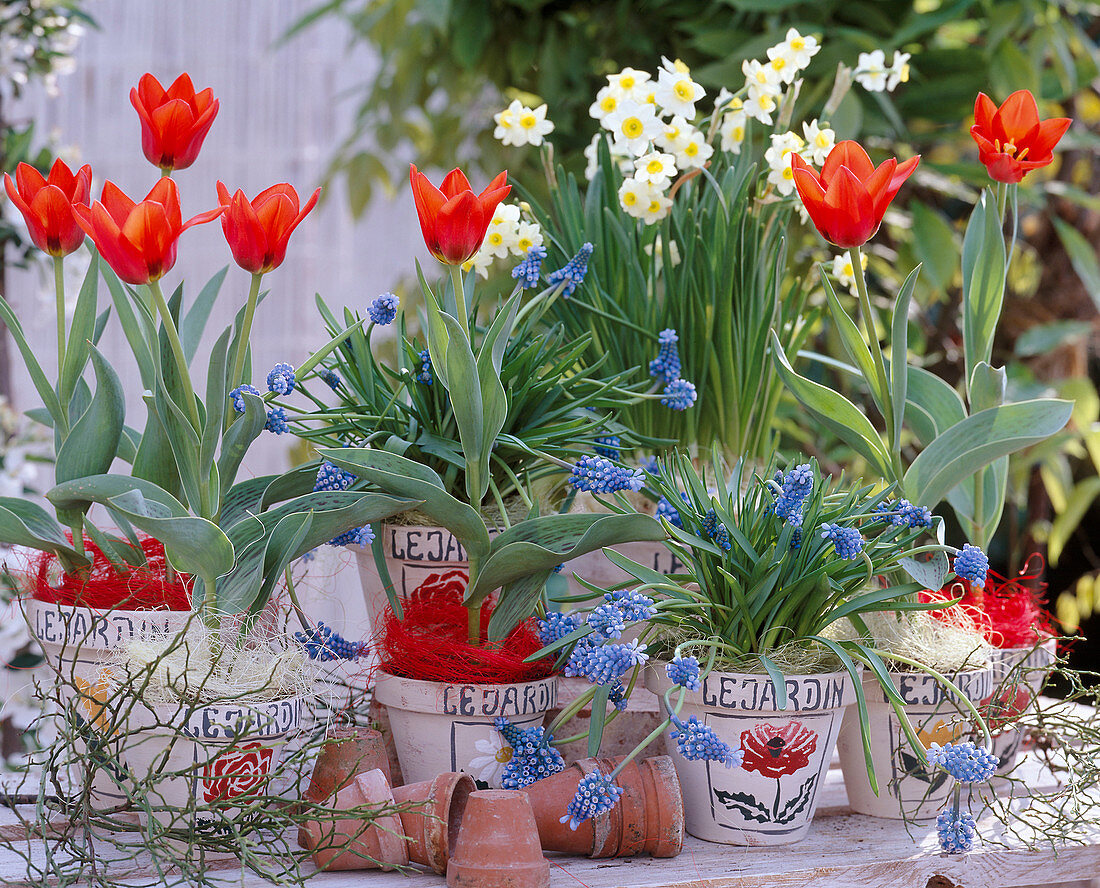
(431, 828)
(350, 843)
(348, 750)
(411, 554)
(440, 727)
(75, 641)
(206, 756)
(379, 716)
(771, 798)
(908, 789)
(498, 844)
(649, 818)
(1026, 669)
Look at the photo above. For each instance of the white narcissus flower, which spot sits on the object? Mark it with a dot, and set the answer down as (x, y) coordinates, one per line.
(532, 125)
(506, 121)
(695, 153)
(724, 99)
(631, 83)
(500, 238)
(871, 72)
(674, 135)
(899, 71)
(528, 234)
(607, 102)
(760, 107)
(480, 262)
(635, 126)
(760, 78)
(845, 273)
(732, 127)
(657, 251)
(656, 168)
(677, 93)
(778, 158)
(793, 54)
(673, 67)
(636, 197)
(658, 207)
(819, 142)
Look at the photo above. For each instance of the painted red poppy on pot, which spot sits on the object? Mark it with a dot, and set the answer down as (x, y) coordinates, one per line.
(236, 772)
(443, 587)
(777, 751)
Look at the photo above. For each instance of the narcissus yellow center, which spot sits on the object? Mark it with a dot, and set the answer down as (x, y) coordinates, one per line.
(528, 121)
(684, 90)
(629, 198)
(608, 103)
(632, 127)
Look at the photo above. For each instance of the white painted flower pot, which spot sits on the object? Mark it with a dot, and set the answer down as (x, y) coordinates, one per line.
(771, 798)
(412, 554)
(75, 641)
(440, 727)
(205, 756)
(1025, 668)
(908, 787)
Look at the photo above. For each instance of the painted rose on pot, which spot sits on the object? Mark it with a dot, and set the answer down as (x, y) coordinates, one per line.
(776, 752)
(236, 772)
(447, 586)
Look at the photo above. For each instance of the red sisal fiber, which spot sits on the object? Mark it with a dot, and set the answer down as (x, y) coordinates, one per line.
(1009, 612)
(103, 588)
(431, 643)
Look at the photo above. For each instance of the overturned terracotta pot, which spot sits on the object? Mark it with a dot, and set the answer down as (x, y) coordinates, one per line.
(348, 750)
(649, 818)
(426, 832)
(498, 844)
(350, 843)
(431, 827)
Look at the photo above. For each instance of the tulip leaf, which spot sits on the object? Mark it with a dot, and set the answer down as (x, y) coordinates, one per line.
(977, 441)
(192, 544)
(438, 336)
(197, 315)
(183, 441)
(81, 331)
(468, 408)
(899, 356)
(930, 574)
(983, 268)
(41, 383)
(92, 444)
(82, 492)
(239, 437)
(154, 461)
(405, 478)
(835, 412)
(23, 523)
(855, 345)
(494, 400)
(216, 397)
(931, 405)
(543, 543)
(137, 329)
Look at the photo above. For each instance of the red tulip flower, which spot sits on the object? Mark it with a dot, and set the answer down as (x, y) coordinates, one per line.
(849, 197)
(453, 218)
(1012, 140)
(138, 240)
(47, 204)
(258, 231)
(174, 121)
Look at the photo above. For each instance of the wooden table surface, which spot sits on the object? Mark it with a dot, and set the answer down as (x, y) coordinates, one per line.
(843, 850)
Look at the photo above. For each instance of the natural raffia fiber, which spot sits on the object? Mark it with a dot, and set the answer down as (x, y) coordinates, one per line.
(102, 587)
(430, 643)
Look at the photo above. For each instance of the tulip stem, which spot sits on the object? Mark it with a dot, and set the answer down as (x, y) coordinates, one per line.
(246, 331)
(177, 352)
(59, 290)
(876, 354)
(460, 300)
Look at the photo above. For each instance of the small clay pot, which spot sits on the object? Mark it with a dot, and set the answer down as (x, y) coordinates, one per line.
(498, 844)
(432, 826)
(348, 750)
(648, 819)
(348, 843)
